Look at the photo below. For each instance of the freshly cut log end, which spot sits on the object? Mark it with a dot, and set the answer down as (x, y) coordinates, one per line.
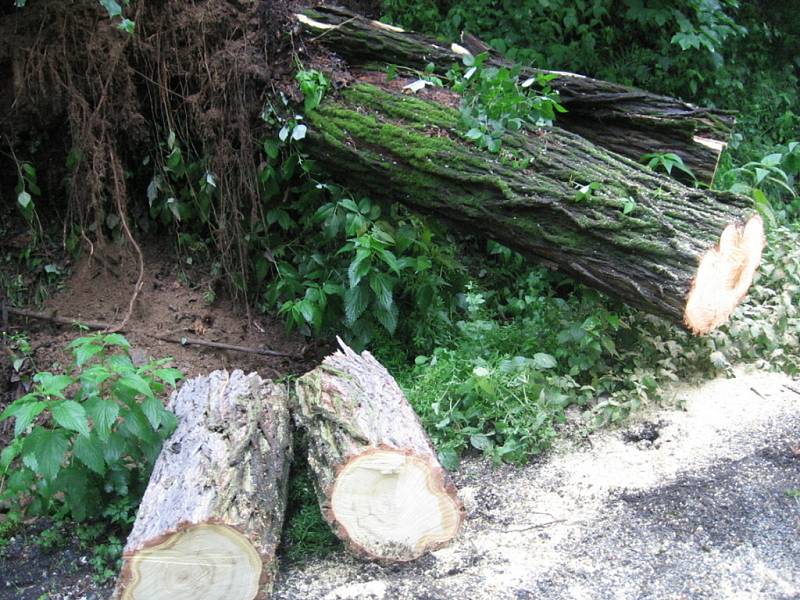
(724, 276)
(202, 561)
(393, 504)
(379, 483)
(210, 520)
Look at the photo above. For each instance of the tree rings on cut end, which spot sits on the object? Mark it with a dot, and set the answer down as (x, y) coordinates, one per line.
(394, 505)
(203, 562)
(724, 276)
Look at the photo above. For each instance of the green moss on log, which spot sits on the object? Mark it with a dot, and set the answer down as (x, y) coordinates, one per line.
(407, 149)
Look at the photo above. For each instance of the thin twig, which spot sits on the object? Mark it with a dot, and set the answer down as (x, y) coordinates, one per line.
(530, 527)
(184, 341)
(791, 388)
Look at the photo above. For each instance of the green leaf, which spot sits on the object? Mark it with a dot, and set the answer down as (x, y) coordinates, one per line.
(112, 7)
(449, 459)
(104, 413)
(359, 267)
(480, 441)
(94, 376)
(115, 339)
(52, 385)
(86, 352)
(8, 454)
(49, 448)
(137, 383)
(71, 415)
(170, 375)
(299, 132)
(25, 415)
(74, 481)
(356, 300)
(544, 361)
(387, 317)
(152, 409)
(271, 149)
(89, 450)
(381, 285)
(473, 134)
(114, 447)
(24, 200)
(127, 26)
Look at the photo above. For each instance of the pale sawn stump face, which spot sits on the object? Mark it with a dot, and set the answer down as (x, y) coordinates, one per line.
(208, 561)
(386, 498)
(378, 479)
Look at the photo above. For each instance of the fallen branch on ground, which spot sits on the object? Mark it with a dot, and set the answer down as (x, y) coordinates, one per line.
(184, 341)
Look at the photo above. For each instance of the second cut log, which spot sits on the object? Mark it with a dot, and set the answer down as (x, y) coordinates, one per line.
(379, 483)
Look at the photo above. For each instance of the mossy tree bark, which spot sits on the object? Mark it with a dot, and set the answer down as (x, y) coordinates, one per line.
(379, 483)
(637, 236)
(626, 120)
(211, 518)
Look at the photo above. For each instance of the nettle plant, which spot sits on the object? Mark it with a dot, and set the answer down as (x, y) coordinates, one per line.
(771, 182)
(494, 100)
(82, 439)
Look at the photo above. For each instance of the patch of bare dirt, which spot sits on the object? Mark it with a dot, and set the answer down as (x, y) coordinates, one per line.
(174, 302)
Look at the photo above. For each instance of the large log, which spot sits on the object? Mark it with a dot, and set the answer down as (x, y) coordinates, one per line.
(378, 480)
(211, 518)
(683, 253)
(620, 118)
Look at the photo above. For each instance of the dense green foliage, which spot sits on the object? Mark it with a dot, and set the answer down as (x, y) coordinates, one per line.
(84, 439)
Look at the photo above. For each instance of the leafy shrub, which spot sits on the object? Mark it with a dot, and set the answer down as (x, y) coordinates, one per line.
(368, 268)
(83, 439)
(494, 100)
(771, 182)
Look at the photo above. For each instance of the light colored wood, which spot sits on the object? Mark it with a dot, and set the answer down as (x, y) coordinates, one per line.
(378, 480)
(724, 276)
(211, 518)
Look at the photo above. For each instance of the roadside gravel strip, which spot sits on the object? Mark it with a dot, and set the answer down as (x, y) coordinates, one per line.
(700, 503)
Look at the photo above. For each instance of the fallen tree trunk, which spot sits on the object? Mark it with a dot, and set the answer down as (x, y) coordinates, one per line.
(683, 253)
(629, 121)
(211, 518)
(378, 480)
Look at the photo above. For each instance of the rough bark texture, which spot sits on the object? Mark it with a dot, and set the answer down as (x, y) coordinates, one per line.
(352, 410)
(226, 465)
(407, 149)
(626, 120)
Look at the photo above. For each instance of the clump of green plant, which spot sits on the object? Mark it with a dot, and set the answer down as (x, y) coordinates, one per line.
(27, 188)
(86, 438)
(9, 526)
(370, 269)
(666, 161)
(494, 100)
(306, 534)
(182, 190)
(770, 181)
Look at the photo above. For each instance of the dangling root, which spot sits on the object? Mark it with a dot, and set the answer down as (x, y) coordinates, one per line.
(119, 194)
